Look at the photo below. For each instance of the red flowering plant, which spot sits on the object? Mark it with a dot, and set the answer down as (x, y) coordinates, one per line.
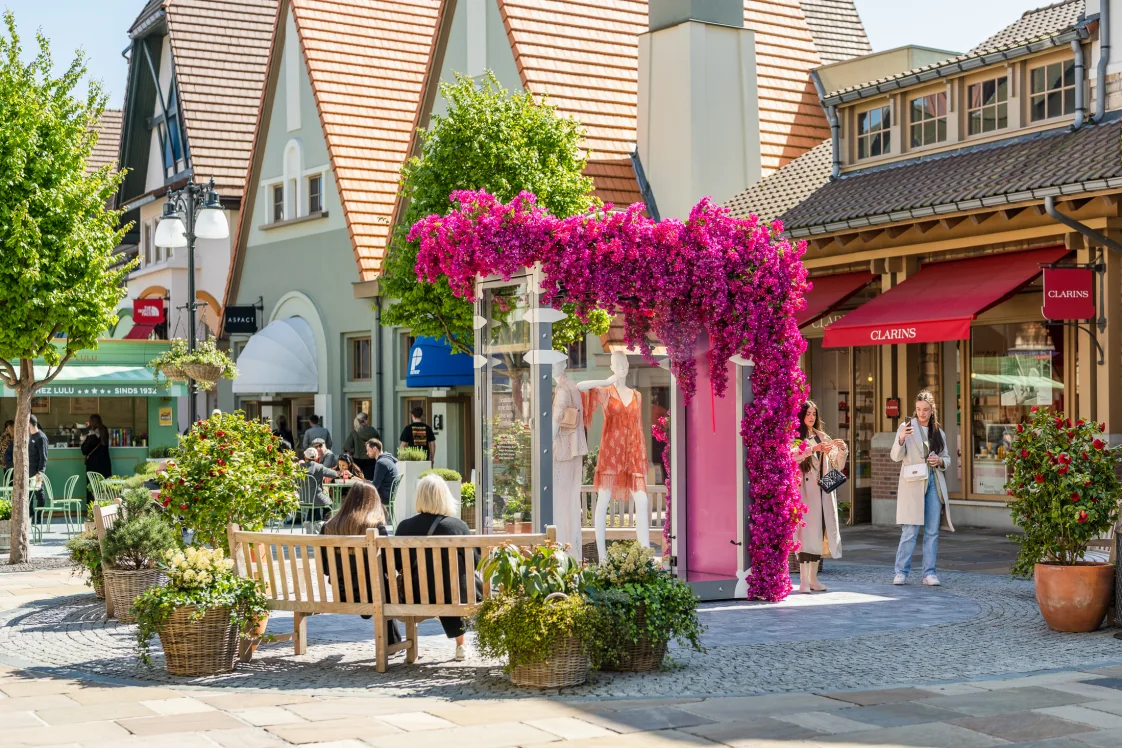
(228, 469)
(731, 283)
(1063, 489)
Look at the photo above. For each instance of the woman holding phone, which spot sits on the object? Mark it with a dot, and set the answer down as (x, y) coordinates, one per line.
(921, 496)
(817, 454)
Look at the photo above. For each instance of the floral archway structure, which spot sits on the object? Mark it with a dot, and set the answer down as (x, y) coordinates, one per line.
(733, 280)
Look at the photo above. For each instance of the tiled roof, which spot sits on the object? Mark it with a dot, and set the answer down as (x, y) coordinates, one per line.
(836, 28)
(367, 64)
(1035, 25)
(1016, 170)
(108, 140)
(221, 50)
(782, 190)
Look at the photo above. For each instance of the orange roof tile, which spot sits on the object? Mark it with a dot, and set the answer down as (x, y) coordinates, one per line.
(108, 141)
(221, 51)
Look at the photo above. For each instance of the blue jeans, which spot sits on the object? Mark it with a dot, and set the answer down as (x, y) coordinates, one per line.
(932, 513)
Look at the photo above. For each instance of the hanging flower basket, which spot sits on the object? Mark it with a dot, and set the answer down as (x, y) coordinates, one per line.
(194, 646)
(203, 372)
(567, 665)
(122, 587)
(173, 373)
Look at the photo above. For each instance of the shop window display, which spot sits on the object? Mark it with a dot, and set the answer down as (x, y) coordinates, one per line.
(1014, 367)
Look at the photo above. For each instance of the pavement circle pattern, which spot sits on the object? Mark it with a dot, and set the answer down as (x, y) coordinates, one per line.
(870, 635)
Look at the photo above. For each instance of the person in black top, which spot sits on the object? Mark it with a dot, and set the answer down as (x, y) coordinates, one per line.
(283, 431)
(362, 509)
(36, 460)
(96, 449)
(419, 434)
(434, 504)
(385, 470)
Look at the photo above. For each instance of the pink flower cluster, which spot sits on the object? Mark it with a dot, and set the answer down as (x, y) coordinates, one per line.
(715, 276)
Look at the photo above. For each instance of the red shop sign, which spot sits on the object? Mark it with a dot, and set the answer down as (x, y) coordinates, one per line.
(1069, 293)
(892, 407)
(148, 311)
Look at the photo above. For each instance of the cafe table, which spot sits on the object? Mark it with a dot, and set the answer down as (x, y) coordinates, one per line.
(338, 491)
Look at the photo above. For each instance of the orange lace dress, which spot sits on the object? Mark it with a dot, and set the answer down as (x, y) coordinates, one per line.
(622, 464)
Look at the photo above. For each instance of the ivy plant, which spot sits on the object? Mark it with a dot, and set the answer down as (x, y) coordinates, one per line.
(59, 281)
(501, 142)
(84, 550)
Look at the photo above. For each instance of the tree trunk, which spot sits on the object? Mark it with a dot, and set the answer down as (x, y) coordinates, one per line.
(20, 514)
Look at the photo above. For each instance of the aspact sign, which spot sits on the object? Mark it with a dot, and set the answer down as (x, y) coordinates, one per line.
(888, 334)
(1069, 293)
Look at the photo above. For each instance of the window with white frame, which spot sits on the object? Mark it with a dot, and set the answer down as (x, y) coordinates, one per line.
(1052, 90)
(874, 134)
(315, 193)
(928, 119)
(987, 105)
(278, 201)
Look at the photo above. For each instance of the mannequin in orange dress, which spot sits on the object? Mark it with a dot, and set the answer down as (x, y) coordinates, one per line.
(621, 467)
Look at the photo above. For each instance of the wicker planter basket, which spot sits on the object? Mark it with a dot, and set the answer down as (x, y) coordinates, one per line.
(567, 666)
(208, 646)
(98, 588)
(203, 372)
(467, 514)
(640, 657)
(122, 587)
(174, 373)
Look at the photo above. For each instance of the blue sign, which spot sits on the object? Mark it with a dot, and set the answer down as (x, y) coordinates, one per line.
(432, 364)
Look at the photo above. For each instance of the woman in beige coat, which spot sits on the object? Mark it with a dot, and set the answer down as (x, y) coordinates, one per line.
(816, 455)
(921, 495)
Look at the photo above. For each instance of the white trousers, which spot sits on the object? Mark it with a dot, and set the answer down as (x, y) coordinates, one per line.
(567, 476)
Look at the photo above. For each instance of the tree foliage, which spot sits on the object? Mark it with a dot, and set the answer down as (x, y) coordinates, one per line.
(497, 141)
(58, 290)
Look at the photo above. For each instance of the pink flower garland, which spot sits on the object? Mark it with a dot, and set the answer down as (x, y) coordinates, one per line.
(726, 278)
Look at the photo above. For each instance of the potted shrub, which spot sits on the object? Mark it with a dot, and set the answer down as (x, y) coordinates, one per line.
(412, 462)
(5, 524)
(200, 613)
(1064, 492)
(538, 619)
(516, 515)
(454, 481)
(467, 503)
(229, 469)
(130, 550)
(645, 608)
(85, 554)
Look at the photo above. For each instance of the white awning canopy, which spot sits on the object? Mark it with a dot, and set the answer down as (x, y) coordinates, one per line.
(280, 358)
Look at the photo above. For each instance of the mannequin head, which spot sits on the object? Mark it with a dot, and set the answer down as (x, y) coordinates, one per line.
(619, 365)
(560, 368)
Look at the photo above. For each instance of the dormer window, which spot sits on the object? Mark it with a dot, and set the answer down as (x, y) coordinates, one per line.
(988, 106)
(929, 120)
(1052, 91)
(874, 135)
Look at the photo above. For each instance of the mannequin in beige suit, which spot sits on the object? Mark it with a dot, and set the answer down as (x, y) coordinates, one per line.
(570, 445)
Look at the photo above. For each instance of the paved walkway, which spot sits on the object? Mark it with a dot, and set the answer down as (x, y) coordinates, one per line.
(970, 664)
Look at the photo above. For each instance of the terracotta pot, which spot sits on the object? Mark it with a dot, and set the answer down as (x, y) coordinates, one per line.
(246, 647)
(1074, 598)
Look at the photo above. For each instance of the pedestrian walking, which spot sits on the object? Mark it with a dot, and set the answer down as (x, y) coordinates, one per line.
(419, 434)
(921, 495)
(355, 443)
(315, 431)
(95, 449)
(36, 462)
(817, 454)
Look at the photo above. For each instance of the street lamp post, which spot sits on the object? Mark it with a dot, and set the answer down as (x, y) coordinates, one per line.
(194, 212)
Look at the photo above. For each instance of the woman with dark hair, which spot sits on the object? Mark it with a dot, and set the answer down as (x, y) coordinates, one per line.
(283, 431)
(816, 454)
(921, 495)
(362, 509)
(96, 448)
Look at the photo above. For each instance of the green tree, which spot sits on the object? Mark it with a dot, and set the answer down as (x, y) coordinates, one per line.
(493, 140)
(58, 289)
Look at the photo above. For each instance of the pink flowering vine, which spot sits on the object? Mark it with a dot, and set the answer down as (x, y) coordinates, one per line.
(717, 277)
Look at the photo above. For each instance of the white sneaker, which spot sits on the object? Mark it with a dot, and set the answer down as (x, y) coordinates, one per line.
(931, 580)
(900, 579)
(460, 654)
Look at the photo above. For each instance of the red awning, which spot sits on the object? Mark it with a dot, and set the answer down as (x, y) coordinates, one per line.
(828, 292)
(139, 332)
(939, 302)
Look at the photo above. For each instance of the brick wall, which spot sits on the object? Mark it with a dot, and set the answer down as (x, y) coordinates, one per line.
(886, 478)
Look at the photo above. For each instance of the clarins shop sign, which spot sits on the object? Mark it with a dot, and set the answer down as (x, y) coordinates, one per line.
(1069, 293)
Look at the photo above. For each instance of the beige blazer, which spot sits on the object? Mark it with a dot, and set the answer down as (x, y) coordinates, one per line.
(570, 443)
(821, 519)
(909, 494)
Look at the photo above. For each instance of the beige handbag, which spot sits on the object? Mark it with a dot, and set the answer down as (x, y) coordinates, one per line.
(569, 418)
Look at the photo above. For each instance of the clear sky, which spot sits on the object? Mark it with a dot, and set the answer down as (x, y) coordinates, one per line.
(99, 27)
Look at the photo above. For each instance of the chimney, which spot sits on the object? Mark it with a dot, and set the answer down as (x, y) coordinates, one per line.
(698, 125)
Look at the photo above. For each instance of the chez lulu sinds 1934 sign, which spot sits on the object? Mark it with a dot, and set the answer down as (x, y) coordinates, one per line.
(1069, 293)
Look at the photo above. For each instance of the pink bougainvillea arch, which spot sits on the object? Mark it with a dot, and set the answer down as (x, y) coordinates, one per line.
(714, 275)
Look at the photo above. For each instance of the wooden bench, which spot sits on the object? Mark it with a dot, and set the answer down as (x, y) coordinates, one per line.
(292, 570)
(104, 518)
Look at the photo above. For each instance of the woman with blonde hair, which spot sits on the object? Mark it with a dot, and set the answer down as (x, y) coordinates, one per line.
(362, 510)
(817, 454)
(436, 516)
(921, 494)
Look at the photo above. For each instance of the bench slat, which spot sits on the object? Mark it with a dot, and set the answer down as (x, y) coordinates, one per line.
(282, 574)
(454, 575)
